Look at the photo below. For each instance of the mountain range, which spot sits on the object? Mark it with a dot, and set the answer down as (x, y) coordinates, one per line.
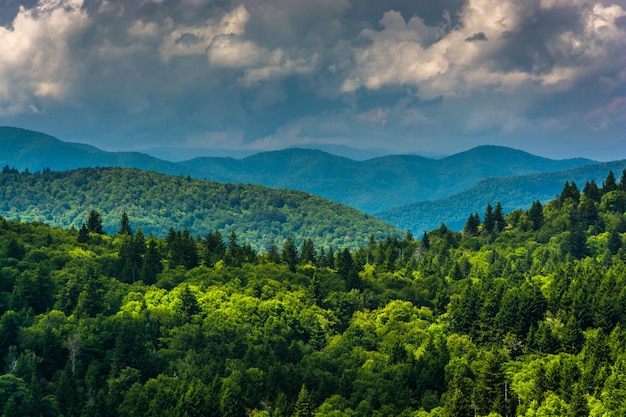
(409, 191)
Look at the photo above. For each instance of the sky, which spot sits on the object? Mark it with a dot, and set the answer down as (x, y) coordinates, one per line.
(193, 76)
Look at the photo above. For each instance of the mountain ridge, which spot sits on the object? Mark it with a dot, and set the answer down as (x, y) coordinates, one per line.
(156, 202)
(454, 210)
(372, 186)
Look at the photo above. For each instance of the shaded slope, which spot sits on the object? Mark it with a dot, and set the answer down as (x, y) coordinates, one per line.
(380, 183)
(21, 148)
(513, 192)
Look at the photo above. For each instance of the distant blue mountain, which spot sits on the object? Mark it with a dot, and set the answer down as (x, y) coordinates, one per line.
(517, 192)
(373, 185)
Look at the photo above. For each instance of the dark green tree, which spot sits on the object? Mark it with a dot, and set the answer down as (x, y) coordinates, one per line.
(570, 191)
(94, 223)
(489, 221)
(289, 254)
(125, 226)
(308, 254)
(615, 242)
(592, 191)
(622, 181)
(83, 234)
(231, 404)
(303, 406)
(272, 253)
(189, 303)
(498, 218)
(609, 183)
(151, 262)
(471, 225)
(214, 248)
(535, 214)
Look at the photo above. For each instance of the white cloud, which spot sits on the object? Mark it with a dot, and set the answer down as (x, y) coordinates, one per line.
(194, 40)
(35, 53)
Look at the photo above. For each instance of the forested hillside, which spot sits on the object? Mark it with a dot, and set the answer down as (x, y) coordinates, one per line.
(512, 192)
(158, 202)
(520, 314)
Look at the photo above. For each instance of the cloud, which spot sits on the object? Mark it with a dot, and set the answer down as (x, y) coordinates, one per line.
(264, 72)
(195, 40)
(35, 52)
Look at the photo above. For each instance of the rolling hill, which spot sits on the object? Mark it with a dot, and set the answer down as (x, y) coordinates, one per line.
(372, 186)
(512, 192)
(156, 202)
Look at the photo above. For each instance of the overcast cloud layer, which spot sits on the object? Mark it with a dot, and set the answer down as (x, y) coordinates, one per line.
(546, 76)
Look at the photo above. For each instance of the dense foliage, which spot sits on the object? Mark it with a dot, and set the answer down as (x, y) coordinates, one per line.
(519, 315)
(158, 202)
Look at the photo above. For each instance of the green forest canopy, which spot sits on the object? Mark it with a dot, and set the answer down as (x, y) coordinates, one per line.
(157, 202)
(518, 315)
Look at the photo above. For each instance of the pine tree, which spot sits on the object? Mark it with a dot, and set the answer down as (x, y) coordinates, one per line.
(609, 183)
(272, 253)
(151, 263)
(125, 226)
(471, 225)
(308, 253)
(498, 218)
(592, 191)
(569, 191)
(535, 214)
(83, 234)
(189, 303)
(94, 223)
(303, 407)
(426, 241)
(615, 242)
(489, 220)
(289, 254)
(214, 248)
(622, 181)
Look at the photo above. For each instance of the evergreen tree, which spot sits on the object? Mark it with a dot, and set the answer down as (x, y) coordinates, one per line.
(289, 254)
(498, 218)
(125, 226)
(94, 223)
(272, 253)
(569, 191)
(83, 234)
(471, 225)
(231, 404)
(622, 181)
(303, 407)
(189, 250)
(214, 248)
(151, 263)
(315, 289)
(609, 183)
(489, 221)
(615, 242)
(592, 191)
(308, 253)
(535, 214)
(189, 303)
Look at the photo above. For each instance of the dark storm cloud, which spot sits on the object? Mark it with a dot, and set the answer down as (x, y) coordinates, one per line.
(267, 74)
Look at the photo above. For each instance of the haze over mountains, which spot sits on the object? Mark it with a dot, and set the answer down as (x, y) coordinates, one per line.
(410, 191)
